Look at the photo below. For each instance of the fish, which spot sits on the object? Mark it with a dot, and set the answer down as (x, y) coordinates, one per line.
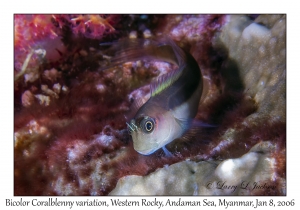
(175, 96)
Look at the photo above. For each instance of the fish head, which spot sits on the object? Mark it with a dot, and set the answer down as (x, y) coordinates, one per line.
(151, 130)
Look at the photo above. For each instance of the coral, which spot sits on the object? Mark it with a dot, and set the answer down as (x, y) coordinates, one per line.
(69, 114)
(251, 174)
(35, 33)
(50, 34)
(90, 26)
(263, 71)
(30, 29)
(27, 98)
(196, 33)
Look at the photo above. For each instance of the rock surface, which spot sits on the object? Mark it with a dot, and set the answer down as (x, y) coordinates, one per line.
(259, 50)
(249, 174)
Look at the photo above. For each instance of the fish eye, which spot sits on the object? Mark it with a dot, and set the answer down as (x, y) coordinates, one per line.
(147, 124)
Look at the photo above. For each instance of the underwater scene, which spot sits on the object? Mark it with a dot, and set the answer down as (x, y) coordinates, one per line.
(149, 104)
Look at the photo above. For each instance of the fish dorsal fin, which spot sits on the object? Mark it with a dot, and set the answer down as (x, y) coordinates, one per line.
(168, 79)
(164, 82)
(163, 49)
(126, 50)
(135, 106)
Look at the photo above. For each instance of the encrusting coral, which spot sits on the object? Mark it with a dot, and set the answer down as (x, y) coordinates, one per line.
(70, 116)
(247, 175)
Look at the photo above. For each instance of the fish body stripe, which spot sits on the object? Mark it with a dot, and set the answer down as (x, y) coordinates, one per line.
(182, 88)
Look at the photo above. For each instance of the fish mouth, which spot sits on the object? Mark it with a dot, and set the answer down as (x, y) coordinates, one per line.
(131, 127)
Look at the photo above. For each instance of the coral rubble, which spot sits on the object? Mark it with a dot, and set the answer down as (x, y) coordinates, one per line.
(69, 124)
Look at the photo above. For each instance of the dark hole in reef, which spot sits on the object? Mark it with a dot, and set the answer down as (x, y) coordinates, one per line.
(232, 79)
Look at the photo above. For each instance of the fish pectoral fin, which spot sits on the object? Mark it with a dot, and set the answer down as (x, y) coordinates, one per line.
(184, 123)
(168, 154)
(192, 133)
(198, 130)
